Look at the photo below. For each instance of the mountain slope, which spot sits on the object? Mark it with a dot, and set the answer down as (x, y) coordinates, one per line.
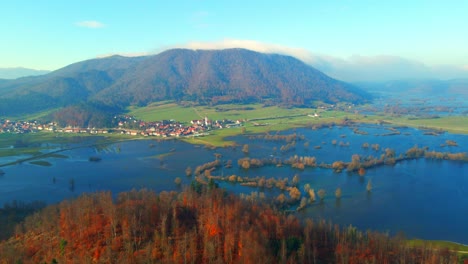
(202, 76)
(234, 75)
(70, 85)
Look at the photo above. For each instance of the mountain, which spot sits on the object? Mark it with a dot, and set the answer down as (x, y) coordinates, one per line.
(234, 75)
(202, 76)
(13, 73)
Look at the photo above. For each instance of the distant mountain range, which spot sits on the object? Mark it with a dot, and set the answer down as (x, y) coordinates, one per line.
(200, 76)
(13, 73)
(423, 87)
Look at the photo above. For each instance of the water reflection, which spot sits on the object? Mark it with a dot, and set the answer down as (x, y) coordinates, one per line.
(413, 196)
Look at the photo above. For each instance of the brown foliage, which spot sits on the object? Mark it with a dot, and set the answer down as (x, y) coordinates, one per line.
(145, 227)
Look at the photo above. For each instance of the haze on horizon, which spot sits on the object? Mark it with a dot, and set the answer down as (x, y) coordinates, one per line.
(348, 40)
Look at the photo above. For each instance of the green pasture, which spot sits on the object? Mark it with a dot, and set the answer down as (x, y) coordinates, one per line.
(453, 124)
(462, 250)
(260, 119)
(184, 114)
(257, 119)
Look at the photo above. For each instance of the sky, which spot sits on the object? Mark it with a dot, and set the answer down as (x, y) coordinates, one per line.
(348, 39)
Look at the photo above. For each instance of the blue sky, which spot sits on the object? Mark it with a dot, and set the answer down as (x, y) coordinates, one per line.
(428, 35)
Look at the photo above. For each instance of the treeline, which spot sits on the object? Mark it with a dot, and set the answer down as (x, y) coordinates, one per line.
(277, 137)
(358, 163)
(83, 115)
(298, 162)
(209, 226)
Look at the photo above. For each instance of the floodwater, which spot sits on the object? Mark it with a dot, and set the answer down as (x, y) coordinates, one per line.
(422, 198)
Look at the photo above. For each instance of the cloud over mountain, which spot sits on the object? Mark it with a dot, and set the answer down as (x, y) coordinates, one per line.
(353, 68)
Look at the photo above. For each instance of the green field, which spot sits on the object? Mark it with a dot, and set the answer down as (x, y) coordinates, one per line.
(256, 117)
(462, 250)
(170, 110)
(259, 119)
(36, 144)
(453, 124)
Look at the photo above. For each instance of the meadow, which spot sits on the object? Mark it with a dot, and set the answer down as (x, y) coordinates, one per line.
(261, 119)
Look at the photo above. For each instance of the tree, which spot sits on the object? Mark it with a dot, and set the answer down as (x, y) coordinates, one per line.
(178, 181)
(321, 193)
(338, 193)
(294, 193)
(389, 153)
(188, 171)
(338, 166)
(281, 198)
(295, 180)
(197, 227)
(245, 164)
(71, 185)
(361, 171)
(312, 195)
(355, 163)
(303, 203)
(245, 149)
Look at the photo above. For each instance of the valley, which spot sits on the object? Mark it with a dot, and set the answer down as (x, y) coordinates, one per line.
(388, 165)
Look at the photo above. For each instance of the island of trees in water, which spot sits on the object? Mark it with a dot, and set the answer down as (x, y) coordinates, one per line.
(291, 195)
(202, 224)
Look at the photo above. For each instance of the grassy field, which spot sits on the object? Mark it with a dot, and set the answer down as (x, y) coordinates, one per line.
(257, 118)
(169, 110)
(453, 124)
(261, 119)
(462, 250)
(30, 144)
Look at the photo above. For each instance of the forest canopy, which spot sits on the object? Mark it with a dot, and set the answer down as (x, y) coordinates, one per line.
(197, 225)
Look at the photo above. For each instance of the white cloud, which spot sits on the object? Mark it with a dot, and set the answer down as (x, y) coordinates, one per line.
(90, 24)
(299, 53)
(124, 54)
(353, 68)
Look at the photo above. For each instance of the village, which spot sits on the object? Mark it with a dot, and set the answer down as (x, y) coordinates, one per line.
(124, 124)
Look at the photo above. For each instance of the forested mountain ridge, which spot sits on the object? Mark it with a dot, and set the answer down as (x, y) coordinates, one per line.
(234, 75)
(200, 76)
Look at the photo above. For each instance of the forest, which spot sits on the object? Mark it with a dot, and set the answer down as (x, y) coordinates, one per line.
(199, 224)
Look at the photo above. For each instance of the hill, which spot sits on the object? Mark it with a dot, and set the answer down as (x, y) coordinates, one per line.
(201, 76)
(199, 225)
(234, 75)
(13, 73)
